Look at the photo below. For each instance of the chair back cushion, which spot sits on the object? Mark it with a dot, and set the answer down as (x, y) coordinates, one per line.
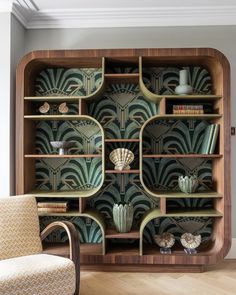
(19, 227)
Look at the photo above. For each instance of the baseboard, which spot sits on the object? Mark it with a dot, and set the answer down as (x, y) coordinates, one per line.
(232, 252)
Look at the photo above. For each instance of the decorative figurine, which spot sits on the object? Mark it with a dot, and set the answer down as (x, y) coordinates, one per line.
(190, 242)
(121, 157)
(165, 241)
(44, 108)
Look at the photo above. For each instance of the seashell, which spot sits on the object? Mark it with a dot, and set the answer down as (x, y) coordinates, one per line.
(123, 217)
(165, 240)
(189, 241)
(44, 108)
(121, 157)
(63, 108)
(188, 184)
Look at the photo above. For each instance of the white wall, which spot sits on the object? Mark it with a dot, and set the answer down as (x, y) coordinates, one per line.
(5, 59)
(17, 51)
(222, 38)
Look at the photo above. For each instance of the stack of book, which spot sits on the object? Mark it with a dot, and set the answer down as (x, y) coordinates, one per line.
(188, 109)
(53, 207)
(210, 138)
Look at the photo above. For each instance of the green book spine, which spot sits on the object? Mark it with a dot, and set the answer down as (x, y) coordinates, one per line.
(210, 138)
(214, 139)
(205, 140)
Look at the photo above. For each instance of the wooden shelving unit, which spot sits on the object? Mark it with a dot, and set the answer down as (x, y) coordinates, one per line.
(114, 101)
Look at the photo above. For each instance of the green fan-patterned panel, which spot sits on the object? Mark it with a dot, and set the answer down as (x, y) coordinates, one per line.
(89, 231)
(73, 174)
(174, 136)
(178, 226)
(61, 81)
(122, 111)
(164, 80)
(119, 189)
(85, 133)
(163, 173)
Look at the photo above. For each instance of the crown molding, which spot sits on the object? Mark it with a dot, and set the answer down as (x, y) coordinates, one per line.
(33, 18)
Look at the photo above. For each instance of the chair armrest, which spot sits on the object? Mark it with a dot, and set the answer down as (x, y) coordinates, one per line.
(73, 243)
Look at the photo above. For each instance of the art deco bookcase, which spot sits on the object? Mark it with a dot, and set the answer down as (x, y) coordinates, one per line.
(124, 98)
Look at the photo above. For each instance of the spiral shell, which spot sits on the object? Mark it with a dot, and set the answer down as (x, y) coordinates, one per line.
(63, 108)
(44, 108)
(189, 241)
(165, 240)
(121, 157)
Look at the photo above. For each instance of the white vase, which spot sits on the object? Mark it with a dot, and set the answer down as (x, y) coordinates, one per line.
(183, 88)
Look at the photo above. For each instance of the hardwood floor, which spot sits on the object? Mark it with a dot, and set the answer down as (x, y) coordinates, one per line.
(216, 280)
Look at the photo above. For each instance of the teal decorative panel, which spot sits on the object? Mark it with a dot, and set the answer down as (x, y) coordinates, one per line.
(174, 136)
(86, 134)
(88, 229)
(62, 81)
(163, 80)
(73, 174)
(163, 173)
(122, 188)
(178, 226)
(122, 111)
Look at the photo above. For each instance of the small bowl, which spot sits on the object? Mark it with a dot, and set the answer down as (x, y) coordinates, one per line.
(188, 184)
(63, 146)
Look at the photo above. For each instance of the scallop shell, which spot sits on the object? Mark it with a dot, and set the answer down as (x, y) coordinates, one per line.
(63, 108)
(121, 157)
(165, 240)
(189, 241)
(44, 108)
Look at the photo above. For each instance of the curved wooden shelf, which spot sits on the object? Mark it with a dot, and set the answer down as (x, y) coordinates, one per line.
(180, 195)
(96, 216)
(64, 194)
(63, 156)
(183, 156)
(156, 213)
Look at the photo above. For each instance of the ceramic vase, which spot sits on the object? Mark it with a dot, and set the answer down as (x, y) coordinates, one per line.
(188, 184)
(183, 88)
(123, 217)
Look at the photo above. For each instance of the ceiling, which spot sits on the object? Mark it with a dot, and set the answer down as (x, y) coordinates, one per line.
(122, 13)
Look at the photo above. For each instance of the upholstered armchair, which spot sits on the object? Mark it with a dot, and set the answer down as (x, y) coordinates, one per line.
(24, 270)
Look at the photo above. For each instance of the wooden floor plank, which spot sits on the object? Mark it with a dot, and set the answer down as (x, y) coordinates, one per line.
(216, 280)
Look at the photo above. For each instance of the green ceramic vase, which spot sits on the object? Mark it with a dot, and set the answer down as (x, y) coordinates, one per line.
(188, 184)
(123, 217)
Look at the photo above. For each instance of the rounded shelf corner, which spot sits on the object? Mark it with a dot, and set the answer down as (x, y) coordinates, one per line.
(145, 91)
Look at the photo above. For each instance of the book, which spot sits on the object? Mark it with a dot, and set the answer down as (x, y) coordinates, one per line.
(188, 109)
(53, 210)
(214, 139)
(58, 204)
(206, 143)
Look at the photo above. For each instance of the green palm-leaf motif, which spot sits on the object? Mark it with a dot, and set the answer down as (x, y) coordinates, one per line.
(118, 113)
(162, 80)
(61, 81)
(64, 175)
(122, 188)
(89, 231)
(178, 226)
(85, 134)
(174, 136)
(163, 173)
